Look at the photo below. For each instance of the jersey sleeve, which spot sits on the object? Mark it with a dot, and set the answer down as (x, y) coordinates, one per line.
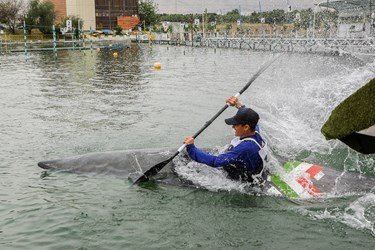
(221, 160)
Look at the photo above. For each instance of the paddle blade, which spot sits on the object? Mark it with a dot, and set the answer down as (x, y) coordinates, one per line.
(361, 142)
(353, 120)
(152, 171)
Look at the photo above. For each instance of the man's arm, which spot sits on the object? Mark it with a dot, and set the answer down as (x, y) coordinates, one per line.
(221, 160)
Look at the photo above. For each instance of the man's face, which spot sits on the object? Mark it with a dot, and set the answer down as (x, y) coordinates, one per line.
(240, 130)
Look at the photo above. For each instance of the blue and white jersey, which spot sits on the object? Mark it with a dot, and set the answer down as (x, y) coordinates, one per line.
(245, 155)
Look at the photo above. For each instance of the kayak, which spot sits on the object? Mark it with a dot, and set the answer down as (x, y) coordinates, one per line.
(305, 180)
(295, 179)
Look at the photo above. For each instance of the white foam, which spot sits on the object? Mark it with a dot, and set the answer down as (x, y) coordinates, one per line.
(359, 214)
(212, 179)
(208, 177)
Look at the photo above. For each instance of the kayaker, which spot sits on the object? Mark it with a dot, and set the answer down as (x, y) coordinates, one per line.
(245, 157)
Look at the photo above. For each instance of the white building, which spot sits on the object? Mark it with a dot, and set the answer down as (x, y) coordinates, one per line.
(85, 9)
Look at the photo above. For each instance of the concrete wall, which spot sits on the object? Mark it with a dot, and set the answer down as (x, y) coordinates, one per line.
(84, 9)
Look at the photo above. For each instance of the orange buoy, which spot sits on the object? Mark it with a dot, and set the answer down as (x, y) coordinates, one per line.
(157, 65)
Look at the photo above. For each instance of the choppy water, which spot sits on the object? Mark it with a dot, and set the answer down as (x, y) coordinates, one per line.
(89, 102)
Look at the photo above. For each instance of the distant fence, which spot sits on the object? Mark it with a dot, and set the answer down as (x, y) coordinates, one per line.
(6, 38)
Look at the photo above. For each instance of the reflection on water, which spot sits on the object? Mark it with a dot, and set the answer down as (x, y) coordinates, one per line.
(85, 101)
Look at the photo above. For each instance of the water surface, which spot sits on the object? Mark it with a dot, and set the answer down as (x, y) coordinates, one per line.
(85, 102)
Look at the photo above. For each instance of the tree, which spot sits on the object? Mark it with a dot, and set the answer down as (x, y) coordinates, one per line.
(46, 17)
(147, 12)
(10, 13)
(118, 30)
(31, 16)
(41, 15)
(232, 16)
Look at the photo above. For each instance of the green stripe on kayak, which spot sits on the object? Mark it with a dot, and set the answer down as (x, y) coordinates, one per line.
(283, 187)
(290, 165)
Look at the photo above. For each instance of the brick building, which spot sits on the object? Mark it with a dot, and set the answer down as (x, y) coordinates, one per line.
(60, 9)
(107, 11)
(99, 14)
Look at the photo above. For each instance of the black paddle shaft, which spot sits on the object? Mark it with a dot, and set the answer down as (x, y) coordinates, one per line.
(208, 123)
(156, 169)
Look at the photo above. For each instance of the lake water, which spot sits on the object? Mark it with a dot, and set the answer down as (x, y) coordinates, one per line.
(83, 102)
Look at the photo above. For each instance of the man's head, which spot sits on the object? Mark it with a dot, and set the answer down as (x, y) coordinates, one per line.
(244, 116)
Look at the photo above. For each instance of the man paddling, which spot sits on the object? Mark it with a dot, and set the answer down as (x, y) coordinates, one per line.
(245, 157)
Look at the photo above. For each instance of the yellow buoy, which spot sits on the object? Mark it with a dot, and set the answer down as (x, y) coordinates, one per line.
(115, 55)
(157, 65)
(97, 49)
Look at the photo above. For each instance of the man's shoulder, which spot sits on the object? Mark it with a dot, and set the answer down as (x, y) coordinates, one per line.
(249, 144)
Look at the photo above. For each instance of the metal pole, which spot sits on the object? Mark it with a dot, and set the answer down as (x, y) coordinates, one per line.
(240, 19)
(54, 40)
(90, 39)
(24, 36)
(274, 27)
(192, 30)
(260, 11)
(313, 33)
(109, 15)
(371, 19)
(330, 26)
(74, 38)
(83, 38)
(203, 25)
(79, 31)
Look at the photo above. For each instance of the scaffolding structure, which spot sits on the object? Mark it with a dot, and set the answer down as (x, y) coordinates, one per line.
(355, 17)
(308, 45)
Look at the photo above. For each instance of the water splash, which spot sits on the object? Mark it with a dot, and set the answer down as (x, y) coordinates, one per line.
(358, 214)
(291, 120)
(212, 179)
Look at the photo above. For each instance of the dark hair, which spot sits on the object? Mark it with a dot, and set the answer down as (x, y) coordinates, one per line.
(252, 126)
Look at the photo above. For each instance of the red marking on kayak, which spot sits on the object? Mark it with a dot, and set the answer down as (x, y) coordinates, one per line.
(308, 186)
(314, 170)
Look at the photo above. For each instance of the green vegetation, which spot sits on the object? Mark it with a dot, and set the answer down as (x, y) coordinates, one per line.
(41, 15)
(118, 30)
(10, 10)
(270, 23)
(37, 14)
(147, 13)
(279, 16)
